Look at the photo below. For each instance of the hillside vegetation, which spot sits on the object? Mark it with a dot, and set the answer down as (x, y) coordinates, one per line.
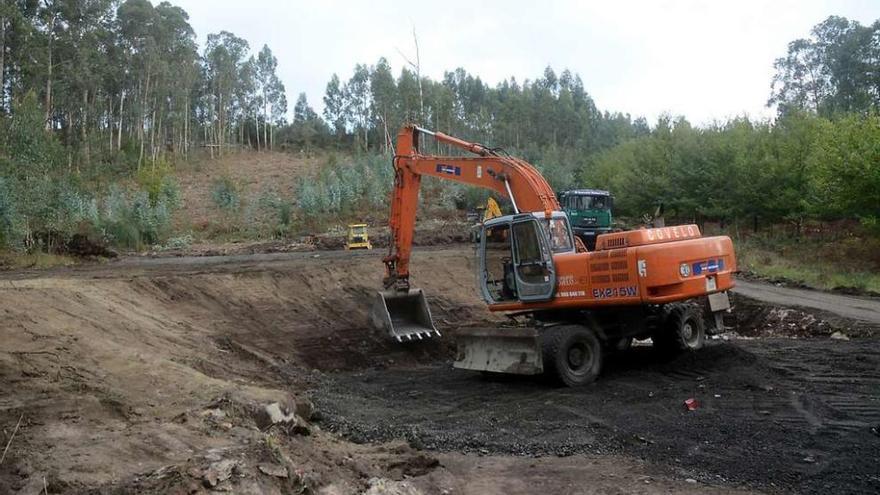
(117, 129)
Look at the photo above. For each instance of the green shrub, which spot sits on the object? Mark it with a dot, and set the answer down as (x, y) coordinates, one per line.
(158, 181)
(131, 220)
(277, 210)
(169, 192)
(226, 194)
(344, 189)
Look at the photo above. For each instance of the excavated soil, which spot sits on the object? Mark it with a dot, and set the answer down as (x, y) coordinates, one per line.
(152, 375)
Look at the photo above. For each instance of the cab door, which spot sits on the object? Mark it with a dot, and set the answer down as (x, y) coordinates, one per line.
(532, 260)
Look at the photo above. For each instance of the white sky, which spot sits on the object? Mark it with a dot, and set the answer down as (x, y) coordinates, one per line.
(702, 59)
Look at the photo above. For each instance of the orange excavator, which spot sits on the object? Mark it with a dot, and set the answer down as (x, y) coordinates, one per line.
(666, 283)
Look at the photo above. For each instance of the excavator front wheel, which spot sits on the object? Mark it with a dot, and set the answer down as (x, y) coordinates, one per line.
(572, 354)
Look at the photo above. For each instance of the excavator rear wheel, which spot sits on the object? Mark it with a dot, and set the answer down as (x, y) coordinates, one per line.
(683, 329)
(572, 354)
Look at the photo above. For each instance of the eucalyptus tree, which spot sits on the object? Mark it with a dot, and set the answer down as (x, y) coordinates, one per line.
(335, 112)
(225, 60)
(271, 94)
(384, 105)
(358, 103)
(307, 126)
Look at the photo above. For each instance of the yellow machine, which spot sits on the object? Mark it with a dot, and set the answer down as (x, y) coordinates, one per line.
(492, 210)
(357, 237)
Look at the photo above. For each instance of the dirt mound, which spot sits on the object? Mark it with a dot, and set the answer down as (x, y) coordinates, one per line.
(753, 318)
(101, 362)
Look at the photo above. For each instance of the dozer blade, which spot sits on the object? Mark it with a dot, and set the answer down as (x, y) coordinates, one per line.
(404, 315)
(499, 350)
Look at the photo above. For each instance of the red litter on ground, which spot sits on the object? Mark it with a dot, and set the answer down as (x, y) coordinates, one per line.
(691, 404)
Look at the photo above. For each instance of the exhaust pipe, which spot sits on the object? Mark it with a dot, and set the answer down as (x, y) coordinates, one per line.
(404, 315)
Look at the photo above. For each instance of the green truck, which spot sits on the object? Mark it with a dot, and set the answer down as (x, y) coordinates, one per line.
(589, 213)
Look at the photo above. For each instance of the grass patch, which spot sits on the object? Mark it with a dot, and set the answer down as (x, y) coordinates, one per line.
(39, 260)
(835, 263)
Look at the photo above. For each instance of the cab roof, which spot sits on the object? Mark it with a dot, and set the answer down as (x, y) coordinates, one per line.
(584, 192)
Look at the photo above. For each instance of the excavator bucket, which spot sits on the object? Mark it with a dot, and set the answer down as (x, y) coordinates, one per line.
(500, 350)
(404, 315)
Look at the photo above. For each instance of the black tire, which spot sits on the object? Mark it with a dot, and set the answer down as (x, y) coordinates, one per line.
(572, 355)
(683, 329)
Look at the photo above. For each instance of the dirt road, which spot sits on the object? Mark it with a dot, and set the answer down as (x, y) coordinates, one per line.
(149, 375)
(848, 307)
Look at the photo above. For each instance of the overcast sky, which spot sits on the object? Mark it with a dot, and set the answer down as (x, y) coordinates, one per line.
(702, 59)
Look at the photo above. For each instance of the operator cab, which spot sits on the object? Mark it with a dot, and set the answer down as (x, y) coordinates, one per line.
(516, 256)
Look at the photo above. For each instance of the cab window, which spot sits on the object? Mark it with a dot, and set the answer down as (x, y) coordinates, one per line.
(500, 281)
(530, 260)
(557, 229)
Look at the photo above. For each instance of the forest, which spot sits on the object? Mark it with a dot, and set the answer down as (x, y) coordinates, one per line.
(100, 101)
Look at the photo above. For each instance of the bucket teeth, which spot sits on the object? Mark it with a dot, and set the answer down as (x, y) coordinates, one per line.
(417, 335)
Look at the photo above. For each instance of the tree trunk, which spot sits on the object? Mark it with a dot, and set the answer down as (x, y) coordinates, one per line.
(208, 142)
(419, 76)
(119, 133)
(84, 132)
(220, 127)
(142, 118)
(153, 130)
(49, 78)
(266, 129)
(145, 112)
(186, 129)
(110, 123)
(2, 64)
(257, 129)
(366, 130)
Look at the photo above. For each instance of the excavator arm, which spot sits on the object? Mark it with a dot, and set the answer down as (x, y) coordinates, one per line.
(404, 311)
(490, 169)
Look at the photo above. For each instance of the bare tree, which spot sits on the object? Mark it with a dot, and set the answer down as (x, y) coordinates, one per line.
(417, 66)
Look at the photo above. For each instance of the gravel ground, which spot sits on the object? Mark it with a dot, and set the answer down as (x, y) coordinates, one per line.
(775, 414)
